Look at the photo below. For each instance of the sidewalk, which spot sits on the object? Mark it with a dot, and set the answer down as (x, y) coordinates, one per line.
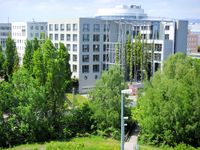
(131, 143)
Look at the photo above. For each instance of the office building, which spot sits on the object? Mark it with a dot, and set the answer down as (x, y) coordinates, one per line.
(5, 30)
(22, 31)
(91, 42)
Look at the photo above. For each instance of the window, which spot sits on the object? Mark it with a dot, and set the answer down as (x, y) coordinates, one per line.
(74, 57)
(105, 47)
(95, 68)
(31, 34)
(56, 45)
(50, 27)
(56, 37)
(41, 27)
(166, 36)
(37, 35)
(105, 38)
(96, 48)
(86, 37)
(75, 26)
(62, 27)
(157, 57)
(62, 37)
(95, 58)
(85, 48)
(96, 38)
(68, 27)
(31, 27)
(36, 28)
(68, 37)
(74, 47)
(167, 27)
(74, 37)
(158, 47)
(68, 47)
(144, 27)
(106, 27)
(74, 68)
(96, 27)
(85, 58)
(56, 27)
(144, 36)
(85, 69)
(105, 57)
(86, 27)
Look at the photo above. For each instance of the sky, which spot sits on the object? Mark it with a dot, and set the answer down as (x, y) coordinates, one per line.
(43, 10)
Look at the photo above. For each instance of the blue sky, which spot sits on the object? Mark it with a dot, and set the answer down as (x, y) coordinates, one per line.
(42, 10)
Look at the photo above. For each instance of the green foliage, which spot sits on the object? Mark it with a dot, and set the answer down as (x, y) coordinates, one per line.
(105, 99)
(168, 108)
(117, 53)
(199, 48)
(28, 56)
(2, 59)
(11, 57)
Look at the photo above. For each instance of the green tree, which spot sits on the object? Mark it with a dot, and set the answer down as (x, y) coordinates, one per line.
(28, 56)
(117, 53)
(129, 59)
(168, 107)
(105, 99)
(2, 59)
(11, 57)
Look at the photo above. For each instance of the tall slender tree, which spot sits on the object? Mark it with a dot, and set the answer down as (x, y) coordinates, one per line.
(11, 60)
(2, 59)
(28, 56)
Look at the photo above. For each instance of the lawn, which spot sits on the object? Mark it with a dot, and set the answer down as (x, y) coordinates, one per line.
(78, 99)
(84, 143)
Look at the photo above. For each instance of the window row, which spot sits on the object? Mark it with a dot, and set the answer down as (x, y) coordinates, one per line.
(86, 48)
(96, 38)
(85, 58)
(63, 27)
(5, 28)
(96, 27)
(38, 27)
(63, 37)
(85, 68)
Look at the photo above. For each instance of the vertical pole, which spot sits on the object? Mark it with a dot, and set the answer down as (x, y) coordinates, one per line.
(122, 121)
(73, 93)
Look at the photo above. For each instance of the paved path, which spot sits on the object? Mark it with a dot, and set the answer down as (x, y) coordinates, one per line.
(131, 143)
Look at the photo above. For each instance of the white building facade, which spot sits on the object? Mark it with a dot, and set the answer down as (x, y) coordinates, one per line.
(22, 31)
(91, 41)
(5, 30)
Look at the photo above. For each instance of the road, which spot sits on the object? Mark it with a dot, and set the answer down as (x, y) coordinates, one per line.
(132, 141)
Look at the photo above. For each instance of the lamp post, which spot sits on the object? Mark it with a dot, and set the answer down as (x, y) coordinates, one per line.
(126, 91)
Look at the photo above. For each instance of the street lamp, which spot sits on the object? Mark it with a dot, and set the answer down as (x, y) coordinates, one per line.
(126, 91)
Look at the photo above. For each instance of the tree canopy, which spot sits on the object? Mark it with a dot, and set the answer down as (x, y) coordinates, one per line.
(168, 107)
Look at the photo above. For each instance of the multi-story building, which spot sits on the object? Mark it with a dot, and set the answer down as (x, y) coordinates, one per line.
(91, 42)
(192, 42)
(22, 31)
(5, 30)
(195, 29)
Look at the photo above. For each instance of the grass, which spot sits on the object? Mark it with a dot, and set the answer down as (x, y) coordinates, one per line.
(83, 143)
(147, 147)
(78, 99)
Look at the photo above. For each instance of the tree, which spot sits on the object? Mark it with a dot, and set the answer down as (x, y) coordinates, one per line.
(168, 107)
(11, 57)
(117, 53)
(2, 59)
(28, 56)
(105, 99)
